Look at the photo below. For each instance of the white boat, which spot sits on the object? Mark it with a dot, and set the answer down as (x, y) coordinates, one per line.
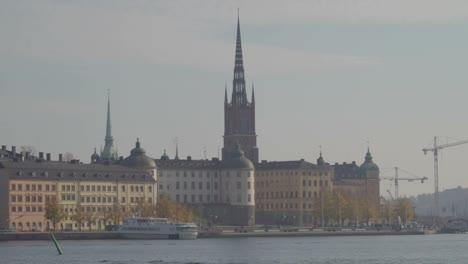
(156, 228)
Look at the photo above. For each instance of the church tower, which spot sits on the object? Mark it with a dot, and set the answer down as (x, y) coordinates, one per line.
(239, 114)
(109, 152)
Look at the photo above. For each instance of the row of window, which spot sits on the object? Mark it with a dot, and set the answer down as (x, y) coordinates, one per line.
(98, 199)
(71, 188)
(27, 208)
(93, 209)
(200, 186)
(305, 183)
(28, 225)
(207, 200)
(186, 174)
(32, 187)
(284, 206)
(29, 198)
(290, 173)
(279, 195)
(99, 188)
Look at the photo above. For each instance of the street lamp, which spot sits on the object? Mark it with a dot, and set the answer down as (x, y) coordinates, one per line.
(321, 197)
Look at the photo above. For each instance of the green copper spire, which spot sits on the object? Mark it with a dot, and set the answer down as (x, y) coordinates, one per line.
(109, 152)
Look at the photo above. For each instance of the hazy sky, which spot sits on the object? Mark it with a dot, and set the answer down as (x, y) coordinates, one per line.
(333, 73)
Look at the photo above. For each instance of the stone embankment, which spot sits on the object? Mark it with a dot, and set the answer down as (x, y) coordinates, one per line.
(303, 233)
(12, 236)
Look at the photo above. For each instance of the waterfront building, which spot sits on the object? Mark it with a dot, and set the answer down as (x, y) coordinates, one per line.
(239, 113)
(287, 192)
(361, 182)
(221, 191)
(92, 189)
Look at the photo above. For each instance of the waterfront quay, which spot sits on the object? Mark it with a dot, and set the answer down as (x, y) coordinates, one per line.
(227, 233)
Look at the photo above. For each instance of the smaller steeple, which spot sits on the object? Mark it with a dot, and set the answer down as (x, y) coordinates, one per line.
(253, 93)
(137, 144)
(95, 157)
(177, 151)
(368, 155)
(320, 160)
(225, 94)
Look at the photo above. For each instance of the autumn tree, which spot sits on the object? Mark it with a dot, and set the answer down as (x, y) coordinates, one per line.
(169, 209)
(404, 209)
(165, 207)
(145, 209)
(184, 213)
(53, 211)
(78, 217)
(116, 214)
(367, 212)
(106, 215)
(90, 218)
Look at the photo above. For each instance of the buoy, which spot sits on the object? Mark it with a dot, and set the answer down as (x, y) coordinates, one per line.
(56, 244)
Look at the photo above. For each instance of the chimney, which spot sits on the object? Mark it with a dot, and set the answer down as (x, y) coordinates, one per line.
(26, 155)
(3, 147)
(121, 158)
(41, 155)
(189, 158)
(13, 152)
(20, 158)
(60, 157)
(48, 156)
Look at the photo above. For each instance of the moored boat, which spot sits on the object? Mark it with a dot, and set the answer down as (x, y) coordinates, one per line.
(156, 228)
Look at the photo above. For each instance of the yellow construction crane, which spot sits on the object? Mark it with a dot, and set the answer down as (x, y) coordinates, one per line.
(436, 150)
(396, 179)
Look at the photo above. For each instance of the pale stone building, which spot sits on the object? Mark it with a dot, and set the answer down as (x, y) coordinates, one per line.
(222, 191)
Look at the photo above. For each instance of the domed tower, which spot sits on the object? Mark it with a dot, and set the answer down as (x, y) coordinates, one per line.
(237, 187)
(95, 157)
(164, 156)
(320, 160)
(369, 168)
(370, 173)
(139, 160)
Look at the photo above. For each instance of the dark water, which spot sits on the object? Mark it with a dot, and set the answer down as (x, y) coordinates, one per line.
(326, 250)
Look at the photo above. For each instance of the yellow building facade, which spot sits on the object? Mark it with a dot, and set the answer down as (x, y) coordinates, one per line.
(91, 196)
(288, 191)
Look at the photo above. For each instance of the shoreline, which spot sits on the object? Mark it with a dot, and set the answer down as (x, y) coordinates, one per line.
(106, 235)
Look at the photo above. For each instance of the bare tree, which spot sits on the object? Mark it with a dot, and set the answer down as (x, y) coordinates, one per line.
(28, 148)
(67, 156)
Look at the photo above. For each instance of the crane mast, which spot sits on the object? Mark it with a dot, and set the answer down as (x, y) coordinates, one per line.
(436, 150)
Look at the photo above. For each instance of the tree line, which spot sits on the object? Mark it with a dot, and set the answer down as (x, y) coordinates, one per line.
(341, 209)
(165, 208)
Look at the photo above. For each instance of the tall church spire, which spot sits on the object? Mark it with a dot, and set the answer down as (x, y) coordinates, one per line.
(239, 95)
(239, 114)
(109, 152)
(108, 126)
